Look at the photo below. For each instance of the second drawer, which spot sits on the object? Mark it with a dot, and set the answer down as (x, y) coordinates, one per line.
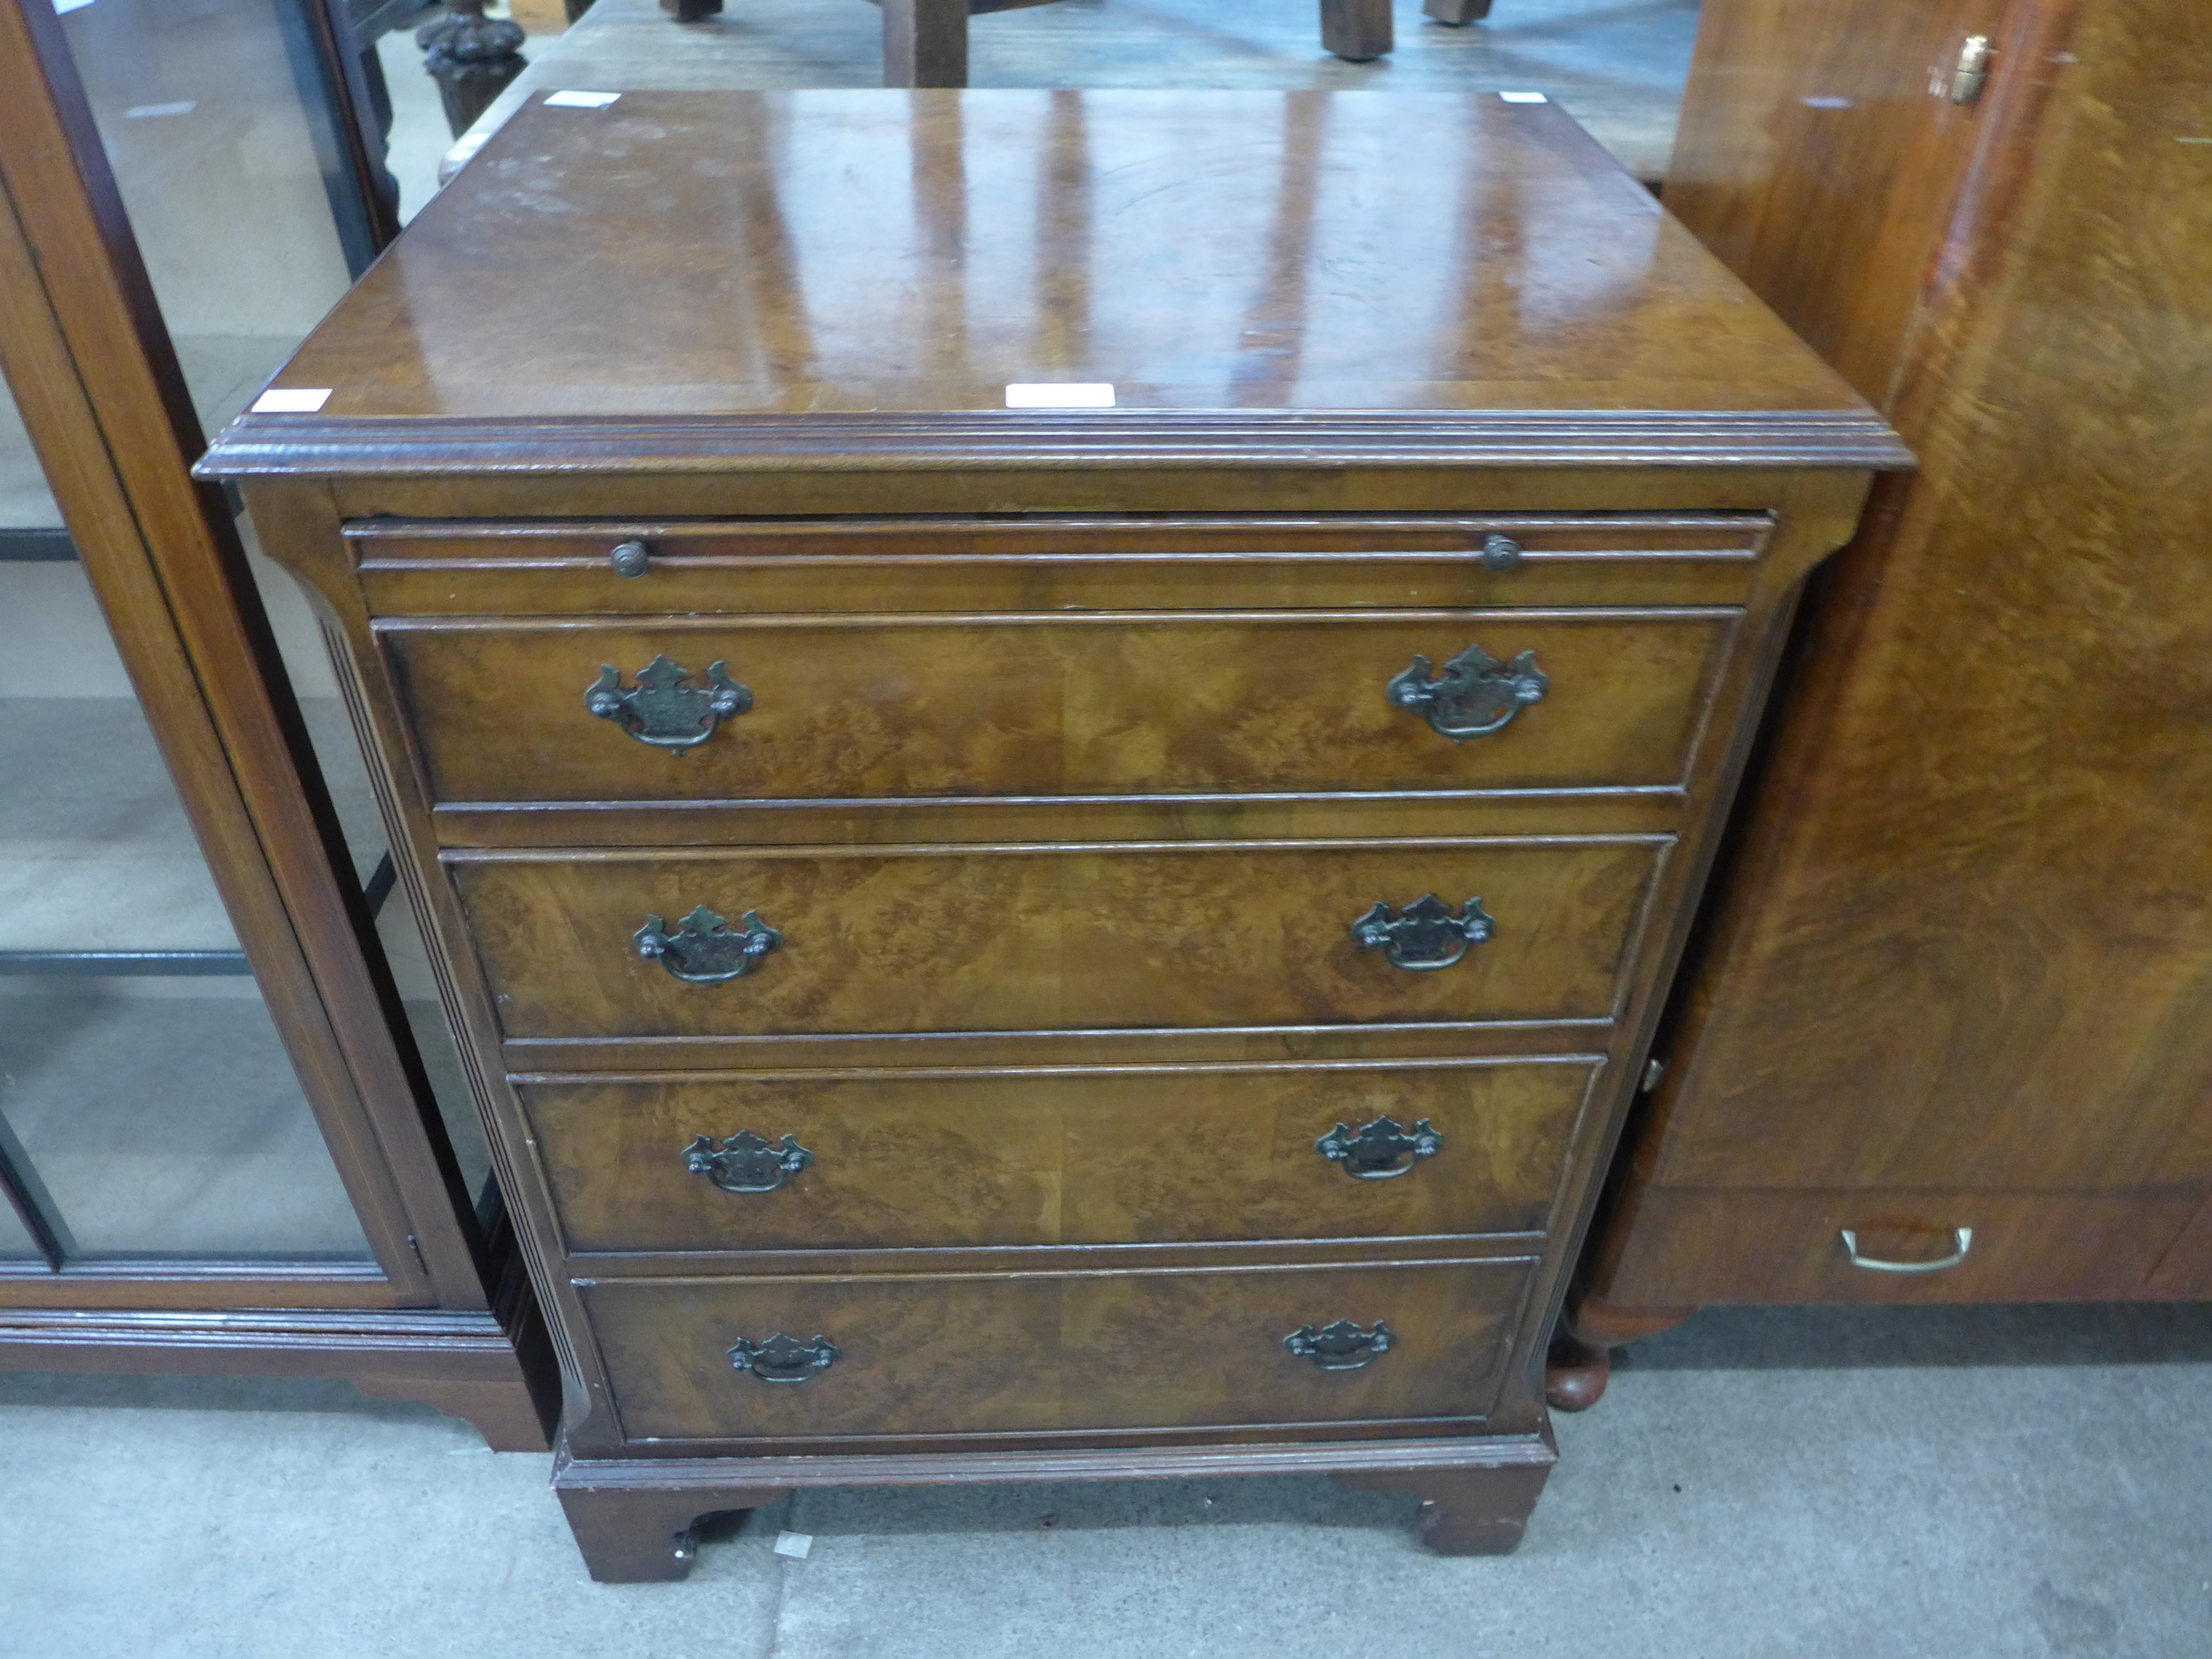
(1011, 1158)
(1188, 935)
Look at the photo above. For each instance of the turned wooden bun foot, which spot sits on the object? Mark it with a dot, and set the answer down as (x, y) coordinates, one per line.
(1575, 1374)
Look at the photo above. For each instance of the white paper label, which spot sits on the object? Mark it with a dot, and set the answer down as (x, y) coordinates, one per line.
(579, 100)
(794, 1544)
(60, 6)
(1072, 394)
(1524, 98)
(292, 400)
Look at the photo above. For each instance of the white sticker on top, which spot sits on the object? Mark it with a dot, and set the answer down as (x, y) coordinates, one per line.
(1524, 98)
(60, 6)
(1070, 394)
(579, 100)
(292, 400)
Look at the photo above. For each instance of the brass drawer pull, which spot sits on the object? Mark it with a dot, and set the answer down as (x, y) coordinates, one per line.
(1342, 1346)
(664, 708)
(1383, 1151)
(746, 1162)
(704, 950)
(1962, 1238)
(1475, 695)
(631, 559)
(783, 1358)
(1426, 935)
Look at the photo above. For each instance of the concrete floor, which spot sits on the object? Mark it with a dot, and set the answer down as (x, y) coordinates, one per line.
(1836, 1484)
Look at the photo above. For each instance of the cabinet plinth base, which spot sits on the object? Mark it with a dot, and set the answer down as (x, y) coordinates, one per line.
(633, 1517)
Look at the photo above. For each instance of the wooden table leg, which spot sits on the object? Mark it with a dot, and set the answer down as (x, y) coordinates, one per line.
(1455, 12)
(924, 43)
(1358, 29)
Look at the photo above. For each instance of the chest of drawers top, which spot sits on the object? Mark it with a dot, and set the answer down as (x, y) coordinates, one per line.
(678, 283)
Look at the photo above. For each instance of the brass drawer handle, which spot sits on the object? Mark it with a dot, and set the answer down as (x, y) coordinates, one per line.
(1962, 1239)
(704, 950)
(783, 1358)
(1426, 935)
(1342, 1346)
(746, 1162)
(1383, 1151)
(664, 708)
(1475, 695)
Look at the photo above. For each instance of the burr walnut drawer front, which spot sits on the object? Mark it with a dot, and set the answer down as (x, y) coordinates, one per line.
(799, 1358)
(1191, 934)
(788, 1160)
(840, 707)
(1047, 563)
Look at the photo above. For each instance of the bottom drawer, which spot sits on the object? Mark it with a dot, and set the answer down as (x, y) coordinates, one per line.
(919, 1355)
(1688, 1249)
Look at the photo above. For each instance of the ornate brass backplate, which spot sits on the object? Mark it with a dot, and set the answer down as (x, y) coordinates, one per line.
(1340, 1346)
(1475, 695)
(746, 1162)
(784, 1359)
(704, 950)
(1381, 1150)
(1426, 935)
(664, 708)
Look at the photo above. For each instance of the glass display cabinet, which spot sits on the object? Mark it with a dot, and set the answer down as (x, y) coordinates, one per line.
(233, 1135)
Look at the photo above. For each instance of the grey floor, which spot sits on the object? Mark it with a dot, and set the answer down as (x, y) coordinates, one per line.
(1859, 1485)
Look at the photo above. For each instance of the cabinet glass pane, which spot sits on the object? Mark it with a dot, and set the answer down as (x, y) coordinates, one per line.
(148, 1100)
(216, 119)
(15, 1241)
(164, 1120)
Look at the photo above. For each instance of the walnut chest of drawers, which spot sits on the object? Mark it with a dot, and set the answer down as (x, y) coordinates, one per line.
(1000, 942)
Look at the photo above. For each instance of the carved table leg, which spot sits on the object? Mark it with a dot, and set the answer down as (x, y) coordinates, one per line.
(1358, 29)
(1455, 12)
(924, 43)
(471, 57)
(639, 1535)
(1466, 1511)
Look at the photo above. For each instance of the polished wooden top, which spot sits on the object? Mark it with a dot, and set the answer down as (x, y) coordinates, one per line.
(733, 276)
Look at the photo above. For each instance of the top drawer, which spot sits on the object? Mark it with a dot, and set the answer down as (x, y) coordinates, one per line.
(556, 567)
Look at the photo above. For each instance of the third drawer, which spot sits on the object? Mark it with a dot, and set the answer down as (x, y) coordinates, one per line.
(792, 1160)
